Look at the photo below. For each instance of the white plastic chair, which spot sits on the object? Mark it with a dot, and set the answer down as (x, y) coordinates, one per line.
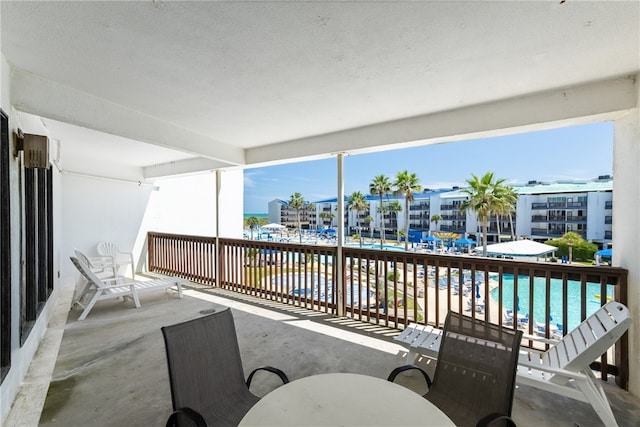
(111, 252)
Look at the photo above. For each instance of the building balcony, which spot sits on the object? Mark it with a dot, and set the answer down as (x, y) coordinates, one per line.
(494, 229)
(425, 217)
(543, 232)
(419, 225)
(454, 217)
(453, 228)
(576, 219)
(449, 207)
(421, 207)
(558, 205)
(130, 360)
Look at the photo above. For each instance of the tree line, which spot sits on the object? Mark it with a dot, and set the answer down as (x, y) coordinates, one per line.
(487, 196)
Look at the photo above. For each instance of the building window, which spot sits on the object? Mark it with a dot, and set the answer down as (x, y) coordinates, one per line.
(38, 282)
(5, 250)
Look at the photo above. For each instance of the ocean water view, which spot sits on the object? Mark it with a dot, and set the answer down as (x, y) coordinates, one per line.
(257, 215)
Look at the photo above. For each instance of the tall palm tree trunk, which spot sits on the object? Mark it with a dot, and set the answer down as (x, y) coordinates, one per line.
(485, 226)
(513, 232)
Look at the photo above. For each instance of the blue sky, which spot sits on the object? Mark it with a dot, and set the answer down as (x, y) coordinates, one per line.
(579, 152)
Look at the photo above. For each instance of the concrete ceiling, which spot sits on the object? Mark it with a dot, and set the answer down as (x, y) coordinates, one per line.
(249, 83)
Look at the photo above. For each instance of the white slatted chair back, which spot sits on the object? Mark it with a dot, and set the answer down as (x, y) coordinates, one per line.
(590, 339)
(86, 272)
(108, 249)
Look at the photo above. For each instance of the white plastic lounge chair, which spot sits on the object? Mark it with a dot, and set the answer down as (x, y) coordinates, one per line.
(117, 257)
(562, 369)
(104, 290)
(98, 266)
(421, 339)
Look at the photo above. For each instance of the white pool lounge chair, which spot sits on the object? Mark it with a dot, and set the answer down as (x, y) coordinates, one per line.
(103, 290)
(562, 369)
(99, 266)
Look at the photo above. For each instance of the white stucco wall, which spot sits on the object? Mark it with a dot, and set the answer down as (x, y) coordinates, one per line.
(626, 228)
(183, 205)
(96, 210)
(21, 354)
(231, 196)
(187, 205)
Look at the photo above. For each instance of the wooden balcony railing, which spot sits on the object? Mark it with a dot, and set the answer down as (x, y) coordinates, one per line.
(395, 288)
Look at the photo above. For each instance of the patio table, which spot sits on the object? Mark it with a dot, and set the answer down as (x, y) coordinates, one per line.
(344, 400)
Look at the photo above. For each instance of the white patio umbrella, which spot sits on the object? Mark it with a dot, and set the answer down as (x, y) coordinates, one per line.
(519, 248)
(273, 227)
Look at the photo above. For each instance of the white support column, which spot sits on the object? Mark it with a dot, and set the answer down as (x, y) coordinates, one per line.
(626, 227)
(216, 270)
(340, 279)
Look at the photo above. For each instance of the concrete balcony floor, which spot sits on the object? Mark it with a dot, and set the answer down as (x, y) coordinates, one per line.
(111, 368)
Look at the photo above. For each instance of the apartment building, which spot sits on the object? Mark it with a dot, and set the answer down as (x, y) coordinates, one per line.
(281, 212)
(544, 210)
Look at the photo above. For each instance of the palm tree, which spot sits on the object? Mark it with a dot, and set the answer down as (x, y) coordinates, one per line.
(406, 184)
(327, 216)
(512, 196)
(252, 222)
(382, 210)
(506, 198)
(297, 202)
(393, 208)
(358, 202)
(381, 186)
(482, 200)
(436, 218)
(310, 209)
(368, 220)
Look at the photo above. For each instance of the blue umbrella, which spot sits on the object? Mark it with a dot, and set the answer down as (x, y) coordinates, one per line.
(605, 252)
(432, 239)
(465, 241)
(478, 290)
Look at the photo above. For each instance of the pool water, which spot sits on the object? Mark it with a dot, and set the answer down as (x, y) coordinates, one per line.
(317, 290)
(555, 307)
(376, 246)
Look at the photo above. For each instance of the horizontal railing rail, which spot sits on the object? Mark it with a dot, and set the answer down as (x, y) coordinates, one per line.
(396, 288)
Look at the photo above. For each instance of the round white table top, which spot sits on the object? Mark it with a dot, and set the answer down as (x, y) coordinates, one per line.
(344, 400)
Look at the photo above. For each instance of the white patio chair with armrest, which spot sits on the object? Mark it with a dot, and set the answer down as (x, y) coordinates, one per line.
(562, 369)
(104, 290)
(118, 258)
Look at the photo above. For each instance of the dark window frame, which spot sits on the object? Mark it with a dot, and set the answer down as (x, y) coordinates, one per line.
(38, 281)
(5, 248)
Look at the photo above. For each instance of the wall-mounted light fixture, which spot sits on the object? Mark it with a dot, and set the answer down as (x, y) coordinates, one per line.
(35, 147)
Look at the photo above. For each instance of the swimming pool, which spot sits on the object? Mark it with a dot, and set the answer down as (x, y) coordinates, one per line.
(376, 246)
(555, 306)
(312, 290)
